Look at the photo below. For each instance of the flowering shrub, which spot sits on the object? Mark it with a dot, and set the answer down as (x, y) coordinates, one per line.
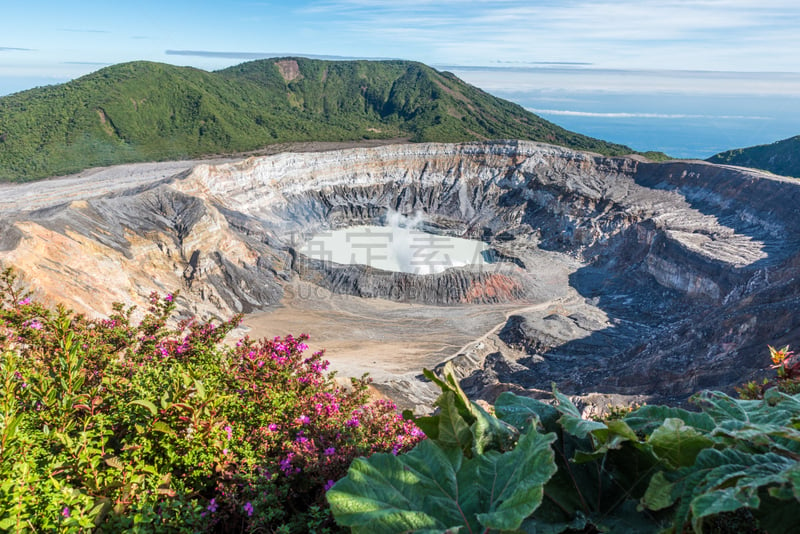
(161, 426)
(787, 370)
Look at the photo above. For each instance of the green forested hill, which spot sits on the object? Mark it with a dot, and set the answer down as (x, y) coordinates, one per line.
(780, 157)
(144, 111)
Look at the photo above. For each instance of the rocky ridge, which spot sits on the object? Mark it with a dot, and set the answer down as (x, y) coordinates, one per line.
(623, 276)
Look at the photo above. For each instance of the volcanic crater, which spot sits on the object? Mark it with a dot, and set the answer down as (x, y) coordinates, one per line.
(610, 276)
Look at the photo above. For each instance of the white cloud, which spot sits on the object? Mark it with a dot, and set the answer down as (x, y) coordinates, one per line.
(710, 34)
(625, 115)
(553, 81)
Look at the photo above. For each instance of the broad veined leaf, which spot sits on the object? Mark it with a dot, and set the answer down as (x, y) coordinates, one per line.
(649, 417)
(453, 430)
(790, 403)
(753, 472)
(611, 437)
(564, 405)
(435, 489)
(525, 413)
(763, 436)
(449, 383)
(659, 494)
(776, 408)
(405, 493)
(721, 407)
(580, 428)
(724, 481)
(491, 433)
(462, 423)
(678, 443)
(514, 480)
(571, 419)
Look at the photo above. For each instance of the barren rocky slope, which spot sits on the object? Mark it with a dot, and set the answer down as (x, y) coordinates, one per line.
(618, 275)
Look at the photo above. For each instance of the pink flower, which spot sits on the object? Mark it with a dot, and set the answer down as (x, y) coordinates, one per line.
(417, 433)
(352, 422)
(65, 512)
(228, 430)
(329, 484)
(248, 508)
(25, 301)
(272, 427)
(168, 298)
(303, 420)
(212, 506)
(286, 465)
(33, 323)
(330, 451)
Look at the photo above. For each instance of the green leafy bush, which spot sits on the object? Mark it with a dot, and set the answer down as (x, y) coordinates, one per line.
(730, 467)
(160, 426)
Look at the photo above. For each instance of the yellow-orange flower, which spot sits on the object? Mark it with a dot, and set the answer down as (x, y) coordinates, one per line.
(779, 355)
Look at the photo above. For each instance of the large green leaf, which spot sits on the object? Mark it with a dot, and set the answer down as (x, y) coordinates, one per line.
(462, 423)
(677, 443)
(719, 481)
(450, 384)
(611, 436)
(407, 493)
(564, 405)
(491, 433)
(649, 417)
(436, 490)
(516, 479)
(776, 408)
(580, 428)
(524, 412)
(452, 430)
(659, 494)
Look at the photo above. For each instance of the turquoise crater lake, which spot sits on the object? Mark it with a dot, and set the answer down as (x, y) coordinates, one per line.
(396, 248)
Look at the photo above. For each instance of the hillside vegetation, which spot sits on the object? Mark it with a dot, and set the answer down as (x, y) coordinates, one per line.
(145, 111)
(780, 157)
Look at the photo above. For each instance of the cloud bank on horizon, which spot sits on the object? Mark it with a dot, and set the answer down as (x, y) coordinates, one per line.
(46, 39)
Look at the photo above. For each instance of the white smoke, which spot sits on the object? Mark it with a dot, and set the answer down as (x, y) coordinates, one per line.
(403, 230)
(401, 245)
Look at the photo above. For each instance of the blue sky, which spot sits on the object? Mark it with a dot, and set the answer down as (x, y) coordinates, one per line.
(54, 40)
(698, 75)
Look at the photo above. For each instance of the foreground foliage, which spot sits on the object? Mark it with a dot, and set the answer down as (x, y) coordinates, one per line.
(534, 467)
(118, 425)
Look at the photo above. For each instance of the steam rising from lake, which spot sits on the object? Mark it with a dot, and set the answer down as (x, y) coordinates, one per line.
(400, 246)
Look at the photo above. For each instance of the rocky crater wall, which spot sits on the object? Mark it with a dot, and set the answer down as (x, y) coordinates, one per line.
(679, 272)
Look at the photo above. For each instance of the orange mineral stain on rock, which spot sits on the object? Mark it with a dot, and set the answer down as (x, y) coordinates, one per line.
(493, 288)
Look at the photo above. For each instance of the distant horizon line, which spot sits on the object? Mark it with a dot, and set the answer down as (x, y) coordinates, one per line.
(551, 67)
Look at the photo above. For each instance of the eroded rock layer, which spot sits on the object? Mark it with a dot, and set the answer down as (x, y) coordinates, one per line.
(621, 276)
